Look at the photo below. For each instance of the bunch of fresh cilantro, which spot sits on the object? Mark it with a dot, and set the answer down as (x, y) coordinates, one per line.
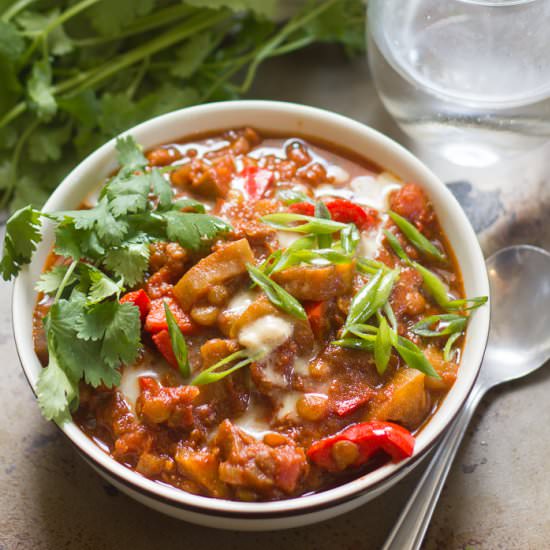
(77, 72)
(105, 251)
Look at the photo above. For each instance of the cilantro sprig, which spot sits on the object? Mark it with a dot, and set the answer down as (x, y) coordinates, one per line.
(103, 251)
(76, 73)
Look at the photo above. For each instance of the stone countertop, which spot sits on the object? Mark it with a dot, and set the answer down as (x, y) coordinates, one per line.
(498, 494)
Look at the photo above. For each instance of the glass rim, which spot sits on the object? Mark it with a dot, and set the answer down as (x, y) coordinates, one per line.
(498, 3)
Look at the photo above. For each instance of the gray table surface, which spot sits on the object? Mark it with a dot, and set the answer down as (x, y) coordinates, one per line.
(498, 494)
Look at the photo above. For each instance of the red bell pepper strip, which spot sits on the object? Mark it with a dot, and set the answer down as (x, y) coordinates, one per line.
(156, 318)
(304, 208)
(341, 210)
(140, 299)
(370, 437)
(256, 181)
(316, 315)
(164, 345)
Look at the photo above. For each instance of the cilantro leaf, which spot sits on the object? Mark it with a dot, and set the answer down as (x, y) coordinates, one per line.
(22, 236)
(54, 389)
(117, 326)
(162, 189)
(129, 195)
(130, 155)
(110, 17)
(267, 8)
(39, 88)
(101, 286)
(192, 54)
(11, 42)
(51, 280)
(193, 230)
(129, 262)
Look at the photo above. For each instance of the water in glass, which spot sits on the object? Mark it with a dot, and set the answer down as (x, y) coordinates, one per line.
(470, 78)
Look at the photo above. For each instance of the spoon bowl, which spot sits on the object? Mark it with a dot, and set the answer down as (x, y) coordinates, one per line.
(519, 339)
(519, 343)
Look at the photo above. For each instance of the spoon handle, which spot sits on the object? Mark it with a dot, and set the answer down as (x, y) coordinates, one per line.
(413, 522)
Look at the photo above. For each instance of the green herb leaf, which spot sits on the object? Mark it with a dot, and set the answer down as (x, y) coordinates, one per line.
(40, 91)
(382, 346)
(101, 286)
(130, 156)
(22, 236)
(50, 280)
(179, 345)
(413, 356)
(317, 226)
(444, 324)
(416, 237)
(193, 230)
(129, 262)
(277, 295)
(210, 375)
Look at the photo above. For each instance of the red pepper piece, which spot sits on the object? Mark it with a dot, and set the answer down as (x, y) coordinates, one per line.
(147, 383)
(164, 345)
(344, 211)
(347, 405)
(317, 317)
(304, 208)
(256, 181)
(341, 210)
(140, 299)
(370, 437)
(156, 319)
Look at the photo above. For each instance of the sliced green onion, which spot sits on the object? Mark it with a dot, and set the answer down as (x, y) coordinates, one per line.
(210, 375)
(396, 246)
(388, 310)
(321, 212)
(433, 284)
(284, 258)
(177, 340)
(349, 239)
(416, 237)
(354, 343)
(382, 346)
(413, 356)
(277, 295)
(476, 302)
(449, 345)
(449, 323)
(370, 267)
(284, 221)
(371, 298)
(287, 196)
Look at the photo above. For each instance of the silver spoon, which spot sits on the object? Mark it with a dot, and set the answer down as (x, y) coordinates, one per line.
(519, 343)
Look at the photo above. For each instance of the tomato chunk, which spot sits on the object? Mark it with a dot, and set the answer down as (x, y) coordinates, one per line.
(256, 181)
(164, 345)
(365, 439)
(140, 299)
(156, 318)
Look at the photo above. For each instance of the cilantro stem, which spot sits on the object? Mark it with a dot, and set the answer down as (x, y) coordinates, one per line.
(143, 24)
(65, 16)
(13, 113)
(66, 278)
(8, 190)
(267, 49)
(196, 24)
(15, 9)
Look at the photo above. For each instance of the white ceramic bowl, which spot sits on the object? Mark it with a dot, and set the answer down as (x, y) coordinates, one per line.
(288, 119)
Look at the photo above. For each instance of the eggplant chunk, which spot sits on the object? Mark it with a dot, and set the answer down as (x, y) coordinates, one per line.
(316, 282)
(224, 264)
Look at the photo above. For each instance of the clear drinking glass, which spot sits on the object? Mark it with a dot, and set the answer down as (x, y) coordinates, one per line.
(470, 78)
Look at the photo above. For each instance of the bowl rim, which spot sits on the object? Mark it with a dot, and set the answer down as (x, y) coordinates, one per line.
(302, 504)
